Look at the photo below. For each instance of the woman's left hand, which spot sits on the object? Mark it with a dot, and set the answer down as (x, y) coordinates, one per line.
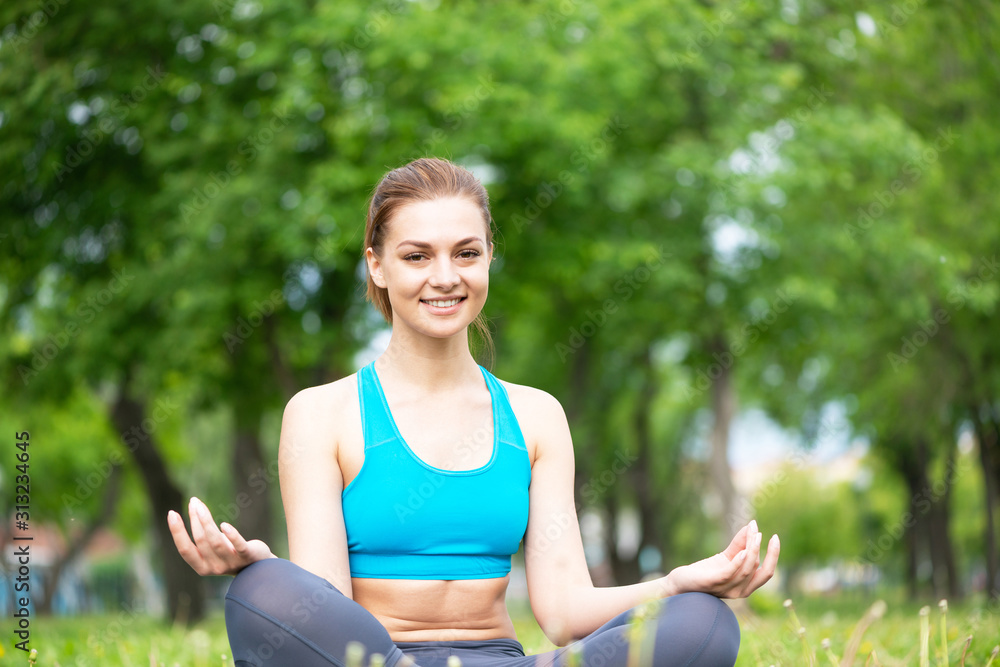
(733, 573)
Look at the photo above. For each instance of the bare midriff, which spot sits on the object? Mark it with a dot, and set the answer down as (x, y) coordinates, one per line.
(418, 610)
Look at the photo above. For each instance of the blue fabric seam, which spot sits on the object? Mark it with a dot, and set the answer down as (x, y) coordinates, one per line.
(307, 642)
(517, 435)
(708, 636)
(361, 402)
(379, 425)
(494, 408)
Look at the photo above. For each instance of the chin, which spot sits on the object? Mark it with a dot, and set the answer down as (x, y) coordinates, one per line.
(442, 333)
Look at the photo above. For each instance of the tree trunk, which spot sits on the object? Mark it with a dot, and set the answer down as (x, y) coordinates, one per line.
(185, 594)
(254, 481)
(723, 411)
(988, 442)
(923, 493)
(911, 464)
(624, 570)
(282, 372)
(931, 518)
(254, 478)
(80, 542)
(940, 533)
(946, 583)
(610, 516)
(640, 472)
(912, 557)
(574, 407)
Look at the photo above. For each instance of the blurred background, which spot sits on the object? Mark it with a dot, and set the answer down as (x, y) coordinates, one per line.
(752, 247)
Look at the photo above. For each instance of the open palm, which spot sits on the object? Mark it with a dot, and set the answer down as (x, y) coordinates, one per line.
(213, 550)
(735, 572)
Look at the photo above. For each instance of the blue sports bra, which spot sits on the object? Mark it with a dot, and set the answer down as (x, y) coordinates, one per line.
(406, 519)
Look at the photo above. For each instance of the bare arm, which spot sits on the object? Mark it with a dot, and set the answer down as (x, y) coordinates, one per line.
(563, 598)
(311, 485)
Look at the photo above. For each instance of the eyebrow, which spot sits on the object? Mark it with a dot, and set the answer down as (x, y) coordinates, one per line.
(422, 244)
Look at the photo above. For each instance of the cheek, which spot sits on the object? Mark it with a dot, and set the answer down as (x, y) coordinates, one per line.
(399, 281)
(480, 279)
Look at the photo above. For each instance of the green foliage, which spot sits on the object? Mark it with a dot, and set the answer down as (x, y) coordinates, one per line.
(185, 184)
(767, 638)
(817, 519)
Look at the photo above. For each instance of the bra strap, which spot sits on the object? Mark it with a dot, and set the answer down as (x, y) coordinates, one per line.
(375, 423)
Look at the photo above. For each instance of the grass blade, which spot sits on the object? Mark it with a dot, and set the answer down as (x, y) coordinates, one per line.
(875, 612)
(943, 604)
(965, 649)
(825, 645)
(801, 632)
(925, 635)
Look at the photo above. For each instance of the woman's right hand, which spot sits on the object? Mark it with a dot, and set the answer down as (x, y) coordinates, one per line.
(213, 551)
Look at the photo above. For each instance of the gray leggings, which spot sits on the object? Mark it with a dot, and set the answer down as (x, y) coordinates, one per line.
(280, 615)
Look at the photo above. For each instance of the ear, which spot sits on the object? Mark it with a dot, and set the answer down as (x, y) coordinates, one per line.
(374, 268)
(489, 254)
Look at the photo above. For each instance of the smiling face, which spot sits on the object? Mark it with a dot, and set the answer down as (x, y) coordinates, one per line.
(434, 263)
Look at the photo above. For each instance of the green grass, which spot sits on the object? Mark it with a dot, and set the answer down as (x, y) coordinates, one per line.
(122, 640)
(890, 633)
(769, 637)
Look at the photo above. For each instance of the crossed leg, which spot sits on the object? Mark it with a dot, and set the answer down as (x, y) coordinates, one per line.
(280, 615)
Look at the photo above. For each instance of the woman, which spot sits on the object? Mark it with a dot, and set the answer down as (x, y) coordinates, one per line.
(408, 486)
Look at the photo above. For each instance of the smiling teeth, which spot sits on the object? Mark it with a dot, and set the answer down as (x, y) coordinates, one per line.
(444, 304)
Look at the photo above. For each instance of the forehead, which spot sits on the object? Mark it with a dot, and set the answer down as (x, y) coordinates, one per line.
(442, 220)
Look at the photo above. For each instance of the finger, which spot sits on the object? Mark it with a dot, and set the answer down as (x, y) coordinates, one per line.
(187, 550)
(733, 579)
(177, 530)
(771, 560)
(748, 565)
(207, 532)
(738, 543)
(215, 539)
(731, 573)
(197, 527)
(216, 548)
(758, 538)
(235, 539)
(773, 550)
(766, 571)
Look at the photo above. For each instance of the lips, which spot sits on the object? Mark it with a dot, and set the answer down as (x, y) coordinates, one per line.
(443, 303)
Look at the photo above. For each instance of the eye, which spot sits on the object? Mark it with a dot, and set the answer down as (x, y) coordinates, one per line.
(413, 257)
(469, 254)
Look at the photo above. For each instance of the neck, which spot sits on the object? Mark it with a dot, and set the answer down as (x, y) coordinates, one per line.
(430, 364)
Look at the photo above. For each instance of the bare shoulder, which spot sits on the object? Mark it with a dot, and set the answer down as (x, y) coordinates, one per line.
(324, 400)
(312, 437)
(540, 416)
(318, 413)
(532, 401)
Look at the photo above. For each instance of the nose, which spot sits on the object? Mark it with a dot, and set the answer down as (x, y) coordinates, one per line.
(444, 275)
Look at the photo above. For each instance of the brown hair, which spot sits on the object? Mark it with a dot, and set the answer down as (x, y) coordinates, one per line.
(423, 179)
